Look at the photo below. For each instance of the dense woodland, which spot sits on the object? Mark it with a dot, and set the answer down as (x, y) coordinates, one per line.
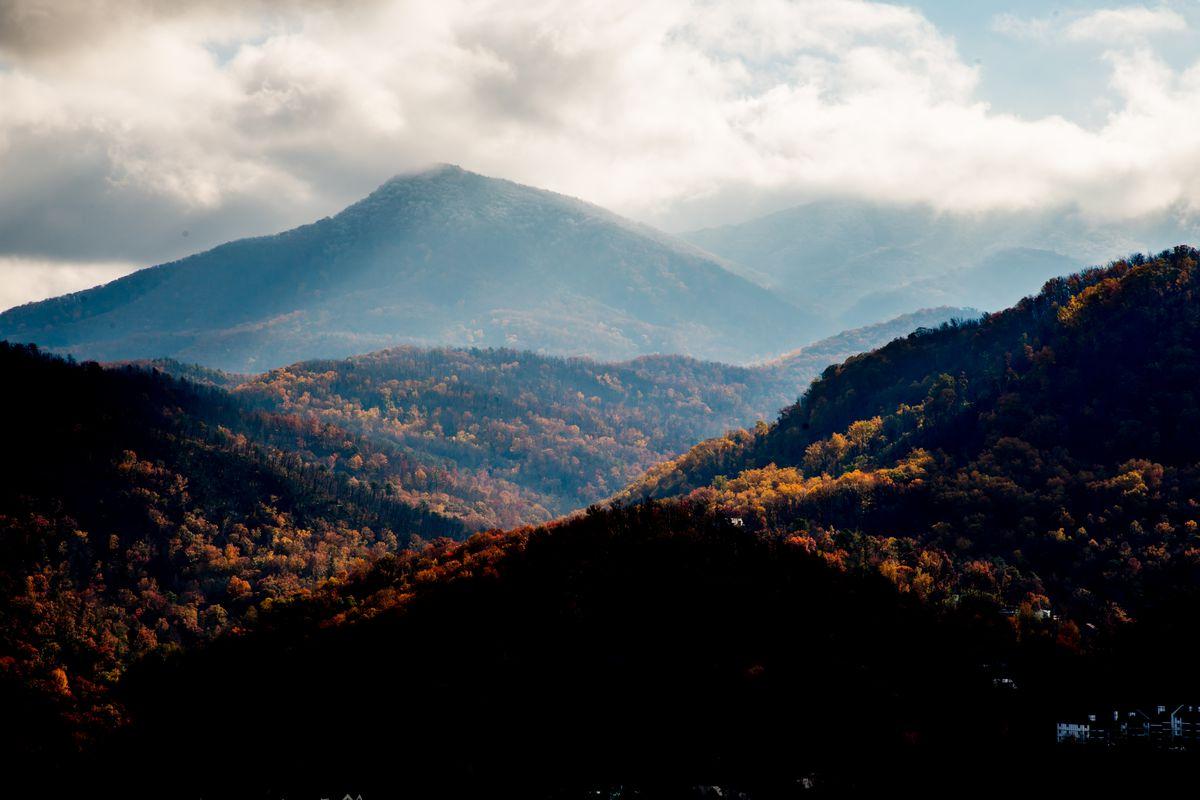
(942, 545)
(656, 650)
(539, 436)
(1045, 457)
(139, 513)
(142, 513)
(654, 646)
(499, 438)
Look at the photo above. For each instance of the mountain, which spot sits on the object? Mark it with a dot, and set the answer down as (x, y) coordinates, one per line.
(443, 257)
(994, 281)
(1046, 455)
(869, 261)
(947, 544)
(503, 437)
(143, 514)
(995, 518)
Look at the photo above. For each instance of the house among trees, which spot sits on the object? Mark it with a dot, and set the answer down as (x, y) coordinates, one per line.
(1164, 727)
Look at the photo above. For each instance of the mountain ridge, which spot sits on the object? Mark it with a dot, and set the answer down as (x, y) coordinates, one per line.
(438, 257)
(998, 515)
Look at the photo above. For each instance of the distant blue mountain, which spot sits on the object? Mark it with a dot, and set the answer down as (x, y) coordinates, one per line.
(866, 261)
(442, 257)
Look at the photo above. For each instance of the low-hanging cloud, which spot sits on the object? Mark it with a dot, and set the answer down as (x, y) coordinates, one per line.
(138, 131)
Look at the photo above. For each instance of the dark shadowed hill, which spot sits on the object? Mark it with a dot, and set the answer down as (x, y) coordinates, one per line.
(442, 257)
(139, 512)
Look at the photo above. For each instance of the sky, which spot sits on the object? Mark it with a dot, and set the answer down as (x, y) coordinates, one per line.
(133, 132)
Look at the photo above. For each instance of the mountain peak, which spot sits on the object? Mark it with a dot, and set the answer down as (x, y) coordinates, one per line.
(438, 170)
(437, 256)
(422, 180)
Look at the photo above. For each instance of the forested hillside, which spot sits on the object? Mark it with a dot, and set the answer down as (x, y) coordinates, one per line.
(503, 438)
(1045, 456)
(998, 516)
(972, 528)
(139, 513)
(656, 651)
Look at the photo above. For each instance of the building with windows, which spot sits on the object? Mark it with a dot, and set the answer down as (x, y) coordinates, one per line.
(1163, 727)
(1078, 730)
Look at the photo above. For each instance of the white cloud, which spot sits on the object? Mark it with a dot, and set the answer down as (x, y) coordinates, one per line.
(1036, 28)
(1125, 25)
(1116, 25)
(123, 125)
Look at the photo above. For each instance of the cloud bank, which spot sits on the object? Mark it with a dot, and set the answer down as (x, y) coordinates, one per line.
(141, 130)
(1115, 25)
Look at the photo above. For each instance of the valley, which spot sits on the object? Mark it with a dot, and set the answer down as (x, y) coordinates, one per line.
(499, 438)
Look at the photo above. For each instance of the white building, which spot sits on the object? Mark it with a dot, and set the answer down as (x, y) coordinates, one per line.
(1077, 730)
